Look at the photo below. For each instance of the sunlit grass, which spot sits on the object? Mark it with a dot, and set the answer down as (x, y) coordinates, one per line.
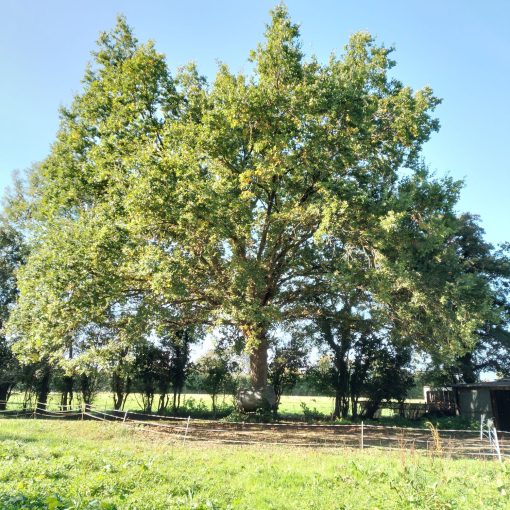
(85, 465)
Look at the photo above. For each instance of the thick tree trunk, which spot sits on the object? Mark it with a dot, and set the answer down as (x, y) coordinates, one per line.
(467, 368)
(258, 364)
(371, 407)
(260, 395)
(257, 344)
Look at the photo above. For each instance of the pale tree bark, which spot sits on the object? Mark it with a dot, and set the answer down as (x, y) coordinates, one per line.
(260, 396)
(258, 362)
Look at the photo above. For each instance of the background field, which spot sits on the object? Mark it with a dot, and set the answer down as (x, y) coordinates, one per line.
(88, 465)
(290, 404)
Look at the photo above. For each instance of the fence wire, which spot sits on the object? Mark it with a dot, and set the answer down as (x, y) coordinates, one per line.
(446, 443)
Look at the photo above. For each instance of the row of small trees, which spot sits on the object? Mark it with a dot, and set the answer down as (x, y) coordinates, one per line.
(158, 374)
(159, 367)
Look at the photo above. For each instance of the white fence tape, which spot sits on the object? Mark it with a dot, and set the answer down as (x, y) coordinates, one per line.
(453, 442)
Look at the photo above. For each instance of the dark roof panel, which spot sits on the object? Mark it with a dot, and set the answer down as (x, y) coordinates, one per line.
(501, 384)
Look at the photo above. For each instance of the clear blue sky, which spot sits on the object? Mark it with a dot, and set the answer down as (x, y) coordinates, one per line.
(460, 48)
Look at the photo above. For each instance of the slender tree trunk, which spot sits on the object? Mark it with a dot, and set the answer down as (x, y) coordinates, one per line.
(338, 396)
(354, 405)
(117, 401)
(163, 402)
(121, 390)
(344, 383)
(341, 394)
(340, 347)
(5, 393)
(86, 389)
(44, 387)
(345, 345)
(67, 394)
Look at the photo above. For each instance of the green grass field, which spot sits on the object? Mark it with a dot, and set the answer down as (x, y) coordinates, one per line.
(87, 465)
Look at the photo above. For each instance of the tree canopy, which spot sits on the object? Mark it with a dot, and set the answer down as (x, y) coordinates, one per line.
(260, 198)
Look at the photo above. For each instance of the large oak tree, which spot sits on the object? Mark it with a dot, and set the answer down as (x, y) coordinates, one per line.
(167, 201)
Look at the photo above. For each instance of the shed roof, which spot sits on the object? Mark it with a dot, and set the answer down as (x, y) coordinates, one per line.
(500, 384)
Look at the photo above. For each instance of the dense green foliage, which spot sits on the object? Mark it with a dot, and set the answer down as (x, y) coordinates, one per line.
(12, 254)
(291, 196)
(289, 361)
(217, 373)
(104, 466)
(284, 210)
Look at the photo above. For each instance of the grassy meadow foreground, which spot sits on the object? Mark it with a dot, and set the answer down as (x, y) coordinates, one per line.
(87, 465)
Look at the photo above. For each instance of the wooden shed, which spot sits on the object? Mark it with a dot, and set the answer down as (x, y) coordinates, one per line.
(489, 398)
